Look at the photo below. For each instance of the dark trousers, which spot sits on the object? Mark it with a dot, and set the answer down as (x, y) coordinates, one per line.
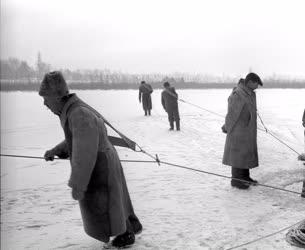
(240, 173)
(173, 116)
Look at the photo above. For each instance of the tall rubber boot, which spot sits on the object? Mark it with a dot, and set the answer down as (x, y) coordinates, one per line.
(238, 173)
(246, 175)
(178, 125)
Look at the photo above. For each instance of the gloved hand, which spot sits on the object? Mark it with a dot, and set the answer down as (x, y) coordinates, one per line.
(223, 128)
(77, 195)
(49, 155)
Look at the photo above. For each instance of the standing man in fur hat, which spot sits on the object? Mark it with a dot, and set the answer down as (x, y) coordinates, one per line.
(145, 91)
(169, 99)
(240, 150)
(97, 179)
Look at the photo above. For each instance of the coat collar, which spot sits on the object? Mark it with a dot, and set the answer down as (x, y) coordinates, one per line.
(63, 116)
(246, 90)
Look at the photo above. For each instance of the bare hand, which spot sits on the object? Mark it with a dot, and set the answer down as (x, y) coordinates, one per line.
(77, 195)
(223, 128)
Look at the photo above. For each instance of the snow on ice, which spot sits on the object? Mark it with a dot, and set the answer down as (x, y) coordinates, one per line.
(179, 209)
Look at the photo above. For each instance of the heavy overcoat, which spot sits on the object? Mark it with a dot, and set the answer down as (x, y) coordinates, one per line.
(145, 91)
(241, 125)
(169, 100)
(95, 169)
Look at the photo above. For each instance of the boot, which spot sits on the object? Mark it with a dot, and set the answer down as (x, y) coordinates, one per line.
(238, 174)
(124, 240)
(149, 112)
(171, 124)
(145, 112)
(178, 125)
(246, 176)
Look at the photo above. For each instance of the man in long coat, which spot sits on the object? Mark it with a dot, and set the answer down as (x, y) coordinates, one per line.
(145, 91)
(240, 150)
(302, 156)
(97, 179)
(169, 100)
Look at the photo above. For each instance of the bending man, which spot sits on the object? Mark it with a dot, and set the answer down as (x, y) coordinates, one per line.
(97, 179)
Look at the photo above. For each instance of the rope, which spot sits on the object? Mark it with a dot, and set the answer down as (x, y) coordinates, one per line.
(228, 177)
(212, 112)
(296, 236)
(56, 158)
(264, 237)
(156, 159)
(260, 129)
(275, 137)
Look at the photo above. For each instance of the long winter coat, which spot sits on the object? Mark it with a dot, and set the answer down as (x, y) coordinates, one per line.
(169, 99)
(95, 170)
(241, 126)
(145, 91)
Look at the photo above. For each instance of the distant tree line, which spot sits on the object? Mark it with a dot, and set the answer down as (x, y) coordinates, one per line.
(16, 74)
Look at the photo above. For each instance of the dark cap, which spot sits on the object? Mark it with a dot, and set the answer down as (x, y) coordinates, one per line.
(254, 78)
(53, 85)
(166, 84)
(143, 82)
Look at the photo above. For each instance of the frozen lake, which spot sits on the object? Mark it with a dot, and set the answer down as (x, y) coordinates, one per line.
(179, 209)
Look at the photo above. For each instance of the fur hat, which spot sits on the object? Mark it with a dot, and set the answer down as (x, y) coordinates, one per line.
(53, 85)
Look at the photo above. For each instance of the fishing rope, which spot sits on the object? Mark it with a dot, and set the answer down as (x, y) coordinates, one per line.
(266, 236)
(57, 158)
(275, 137)
(296, 236)
(159, 162)
(261, 120)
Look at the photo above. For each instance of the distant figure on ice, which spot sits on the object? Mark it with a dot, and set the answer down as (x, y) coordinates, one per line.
(169, 99)
(302, 156)
(145, 91)
(97, 179)
(240, 150)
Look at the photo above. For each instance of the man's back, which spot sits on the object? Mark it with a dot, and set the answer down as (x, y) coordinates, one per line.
(169, 97)
(145, 88)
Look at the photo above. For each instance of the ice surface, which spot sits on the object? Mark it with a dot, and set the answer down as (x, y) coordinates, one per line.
(179, 209)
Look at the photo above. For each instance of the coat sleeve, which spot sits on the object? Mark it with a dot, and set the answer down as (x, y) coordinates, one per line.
(85, 143)
(162, 100)
(235, 106)
(140, 93)
(61, 150)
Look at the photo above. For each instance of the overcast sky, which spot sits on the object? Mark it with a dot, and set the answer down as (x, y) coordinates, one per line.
(137, 36)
